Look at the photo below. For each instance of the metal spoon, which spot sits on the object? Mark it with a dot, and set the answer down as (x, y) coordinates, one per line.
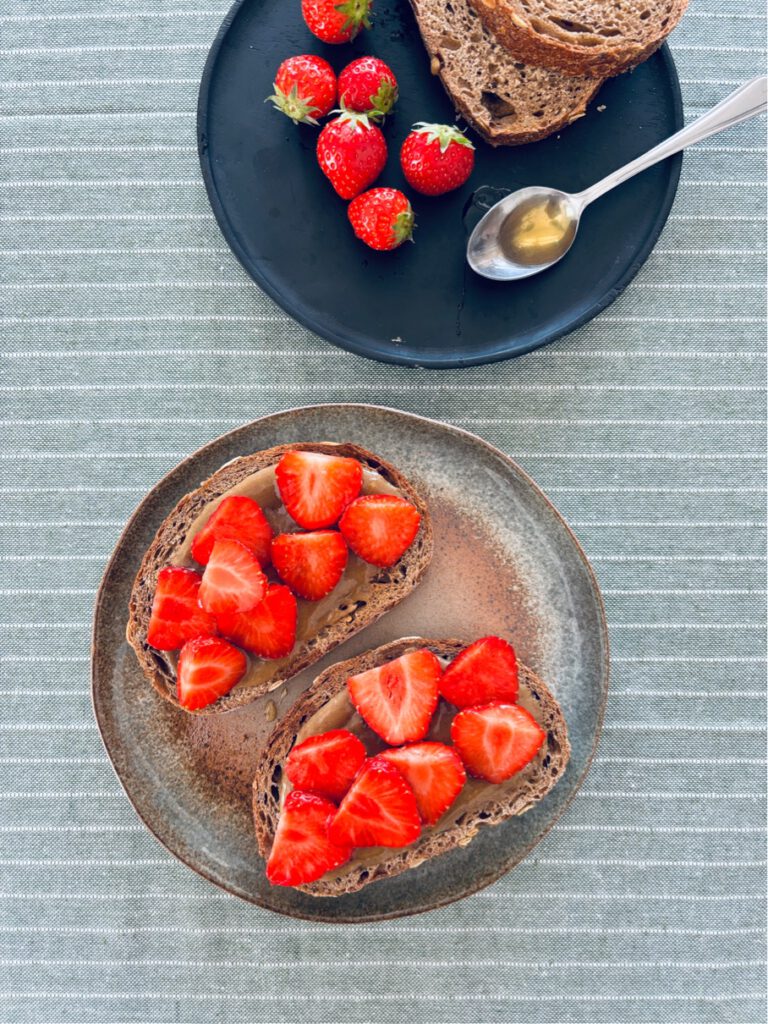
(531, 229)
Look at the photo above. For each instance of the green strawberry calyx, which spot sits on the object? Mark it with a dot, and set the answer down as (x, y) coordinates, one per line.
(445, 134)
(403, 225)
(294, 106)
(383, 100)
(357, 14)
(360, 122)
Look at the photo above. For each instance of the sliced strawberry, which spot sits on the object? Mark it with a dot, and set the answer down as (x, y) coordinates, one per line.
(379, 809)
(397, 700)
(176, 615)
(317, 488)
(269, 629)
(484, 672)
(497, 740)
(326, 764)
(208, 668)
(302, 850)
(310, 563)
(435, 774)
(380, 527)
(233, 580)
(236, 518)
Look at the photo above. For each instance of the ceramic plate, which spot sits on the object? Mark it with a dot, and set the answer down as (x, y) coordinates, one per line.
(421, 305)
(505, 562)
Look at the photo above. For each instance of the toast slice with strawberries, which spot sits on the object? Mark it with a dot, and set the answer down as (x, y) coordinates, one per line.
(184, 541)
(326, 705)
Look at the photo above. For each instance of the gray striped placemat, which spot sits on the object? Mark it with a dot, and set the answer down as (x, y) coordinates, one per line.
(130, 336)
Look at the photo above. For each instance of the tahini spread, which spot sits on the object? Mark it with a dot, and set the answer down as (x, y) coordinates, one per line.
(313, 616)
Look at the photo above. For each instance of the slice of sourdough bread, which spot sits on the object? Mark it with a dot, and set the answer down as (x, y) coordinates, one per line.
(383, 590)
(479, 803)
(581, 37)
(507, 102)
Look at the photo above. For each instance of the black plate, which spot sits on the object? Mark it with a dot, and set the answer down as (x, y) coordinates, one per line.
(420, 305)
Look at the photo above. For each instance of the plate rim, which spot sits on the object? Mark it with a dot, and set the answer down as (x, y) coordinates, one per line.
(604, 679)
(349, 341)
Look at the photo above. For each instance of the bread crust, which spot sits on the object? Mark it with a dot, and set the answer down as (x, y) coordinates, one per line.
(569, 101)
(385, 590)
(511, 24)
(536, 780)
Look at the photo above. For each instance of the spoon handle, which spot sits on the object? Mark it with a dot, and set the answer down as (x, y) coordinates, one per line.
(747, 101)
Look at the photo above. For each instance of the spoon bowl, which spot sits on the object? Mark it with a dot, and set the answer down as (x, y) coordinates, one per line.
(524, 233)
(533, 228)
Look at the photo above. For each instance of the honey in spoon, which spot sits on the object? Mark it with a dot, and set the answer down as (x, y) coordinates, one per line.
(537, 231)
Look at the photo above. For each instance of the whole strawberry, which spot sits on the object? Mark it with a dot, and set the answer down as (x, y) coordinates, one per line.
(382, 218)
(368, 85)
(351, 152)
(336, 21)
(436, 158)
(305, 88)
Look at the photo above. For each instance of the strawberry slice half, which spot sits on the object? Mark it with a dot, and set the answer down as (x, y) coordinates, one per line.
(484, 673)
(302, 850)
(379, 809)
(497, 740)
(316, 488)
(397, 700)
(435, 774)
(380, 527)
(310, 563)
(326, 764)
(208, 668)
(236, 518)
(176, 615)
(233, 580)
(269, 629)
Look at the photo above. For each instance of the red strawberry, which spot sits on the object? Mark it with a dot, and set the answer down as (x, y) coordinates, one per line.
(236, 518)
(326, 764)
(382, 218)
(380, 527)
(302, 851)
(436, 158)
(305, 88)
(208, 668)
(310, 563)
(176, 615)
(336, 21)
(397, 700)
(351, 152)
(378, 810)
(497, 740)
(369, 86)
(233, 580)
(269, 629)
(484, 672)
(435, 774)
(317, 488)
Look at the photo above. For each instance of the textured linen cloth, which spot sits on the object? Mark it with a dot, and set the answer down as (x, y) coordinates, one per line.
(131, 336)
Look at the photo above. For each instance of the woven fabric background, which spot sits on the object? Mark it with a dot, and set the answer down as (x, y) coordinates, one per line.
(130, 336)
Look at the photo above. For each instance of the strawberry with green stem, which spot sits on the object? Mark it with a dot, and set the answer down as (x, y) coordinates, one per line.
(305, 88)
(336, 22)
(382, 218)
(436, 158)
(369, 86)
(351, 152)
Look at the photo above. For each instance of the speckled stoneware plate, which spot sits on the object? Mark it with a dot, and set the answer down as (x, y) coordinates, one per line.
(505, 562)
